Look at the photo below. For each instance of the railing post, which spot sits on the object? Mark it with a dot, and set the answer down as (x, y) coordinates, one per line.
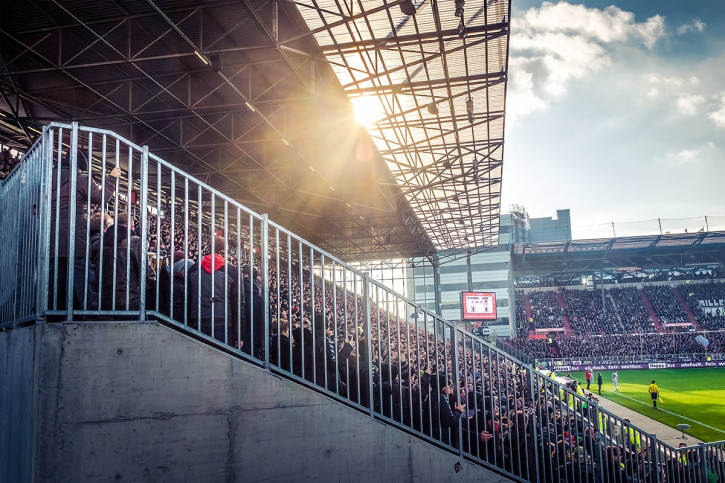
(368, 341)
(144, 227)
(264, 256)
(535, 422)
(701, 462)
(71, 252)
(44, 220)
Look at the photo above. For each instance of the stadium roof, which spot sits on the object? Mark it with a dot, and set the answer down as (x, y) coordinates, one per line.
(254, 98)
(635, 253)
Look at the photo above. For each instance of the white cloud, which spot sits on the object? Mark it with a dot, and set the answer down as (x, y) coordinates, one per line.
(718, 116)
(688, 104)
(673, 82)
(696, 25)
(674, 90)
(690, 156)
(557, 44)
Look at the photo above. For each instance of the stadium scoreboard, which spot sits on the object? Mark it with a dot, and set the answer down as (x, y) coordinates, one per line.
(478, 307)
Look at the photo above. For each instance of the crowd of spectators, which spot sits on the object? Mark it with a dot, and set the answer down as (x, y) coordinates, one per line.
(522, 321)
(8, 161)
(545, 310)
(707, 303)
(536, 348)
(666, 305)
(631, 312)
(649, 346)
(584, 311)
(626, 311)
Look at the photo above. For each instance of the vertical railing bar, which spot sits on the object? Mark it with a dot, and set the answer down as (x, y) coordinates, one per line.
(199, 255)
(240, 281)
(115, 225)
(334, 326)
(300, 268)
(87, 233)
(264, 254)
(159, 264)
(128, 228)
(172, 248)
(227, 315)
(323, 303)
(70, 275)
(212, 251)
(289, 302)
(250, 297)
(368, 340)
(46, 219)
(99, 282)
(396, 311)
(277, 279)
(410, 368)
(56, 241)
(356, 331)
(186, 251)
(144, 233)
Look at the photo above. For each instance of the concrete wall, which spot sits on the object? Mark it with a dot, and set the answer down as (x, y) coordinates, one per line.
(142, 402)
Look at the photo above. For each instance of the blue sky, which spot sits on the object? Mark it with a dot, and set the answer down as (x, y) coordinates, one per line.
(616, 110)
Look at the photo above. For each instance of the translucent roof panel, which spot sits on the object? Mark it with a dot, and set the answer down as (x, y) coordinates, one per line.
(432, 87)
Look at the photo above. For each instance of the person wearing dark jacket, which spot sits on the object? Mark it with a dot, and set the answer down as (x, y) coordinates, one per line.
(253, 330)
(303, 351)
(329, 364)
(281, 346)
(180, 271)
(599, 383)
(446, 412)
(122, 279)
(86, 188)
(99, 223)
(213, 296)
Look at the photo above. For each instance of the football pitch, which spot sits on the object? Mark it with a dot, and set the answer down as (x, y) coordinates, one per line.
(692, 396)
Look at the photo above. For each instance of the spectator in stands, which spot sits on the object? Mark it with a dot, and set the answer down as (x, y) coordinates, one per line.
(446, 413)
(181, 269)
(213, 302)
(253, 335)
(329, 364)
(122, 255)
(281, 346)
(100, 221)
(83, 274)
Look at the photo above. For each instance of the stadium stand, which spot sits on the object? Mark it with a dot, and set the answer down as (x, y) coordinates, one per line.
(706, 301)
(667, 307)
(545, 310)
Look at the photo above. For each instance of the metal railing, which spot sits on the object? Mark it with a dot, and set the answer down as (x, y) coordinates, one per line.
(180, 252)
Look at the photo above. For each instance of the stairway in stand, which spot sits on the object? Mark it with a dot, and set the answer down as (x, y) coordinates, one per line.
(554, 349)
(560, 302)
(650, 310)
(686, 308)
(529, 314)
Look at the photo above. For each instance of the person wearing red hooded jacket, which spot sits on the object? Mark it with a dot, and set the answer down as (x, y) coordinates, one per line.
(214, 296)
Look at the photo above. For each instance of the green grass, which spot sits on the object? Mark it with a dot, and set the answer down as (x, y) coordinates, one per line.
(692, 396)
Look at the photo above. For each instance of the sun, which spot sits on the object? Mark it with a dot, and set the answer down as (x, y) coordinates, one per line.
(368, 110)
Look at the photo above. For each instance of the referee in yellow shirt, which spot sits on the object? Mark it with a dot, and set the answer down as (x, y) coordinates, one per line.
(654, 392)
